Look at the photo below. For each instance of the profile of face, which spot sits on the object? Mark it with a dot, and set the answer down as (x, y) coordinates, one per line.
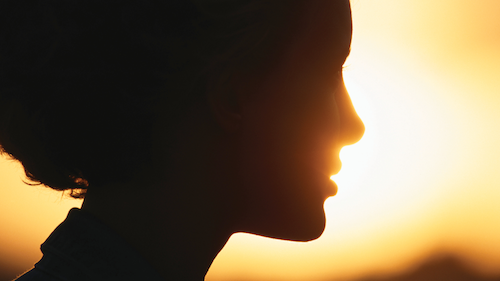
(293, 127)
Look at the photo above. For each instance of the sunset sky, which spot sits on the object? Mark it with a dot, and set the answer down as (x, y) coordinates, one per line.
(424, 75)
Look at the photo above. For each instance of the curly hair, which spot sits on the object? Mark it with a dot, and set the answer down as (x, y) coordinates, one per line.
(79, 79)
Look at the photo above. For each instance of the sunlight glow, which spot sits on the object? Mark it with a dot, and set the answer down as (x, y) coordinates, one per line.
(425, 177)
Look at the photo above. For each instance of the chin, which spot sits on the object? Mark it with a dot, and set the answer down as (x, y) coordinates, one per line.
(301, 228)
(309, 231)
(303, 236)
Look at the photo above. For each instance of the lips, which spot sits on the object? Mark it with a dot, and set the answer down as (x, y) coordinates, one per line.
(335, 167)
(334, 188)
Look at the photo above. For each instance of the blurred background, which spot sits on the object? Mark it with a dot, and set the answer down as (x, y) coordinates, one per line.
(418, 195)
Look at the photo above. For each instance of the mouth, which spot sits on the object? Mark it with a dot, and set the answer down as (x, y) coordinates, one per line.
(333, 188)
(336, 167)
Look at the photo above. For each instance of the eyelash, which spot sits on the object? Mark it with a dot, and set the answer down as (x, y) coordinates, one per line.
(341, 71)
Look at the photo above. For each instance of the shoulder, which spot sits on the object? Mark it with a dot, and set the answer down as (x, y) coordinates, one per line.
(36, 275)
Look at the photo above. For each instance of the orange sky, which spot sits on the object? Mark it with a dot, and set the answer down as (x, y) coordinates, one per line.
(423, 74)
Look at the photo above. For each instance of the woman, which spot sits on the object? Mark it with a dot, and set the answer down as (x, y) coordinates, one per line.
(178, 122)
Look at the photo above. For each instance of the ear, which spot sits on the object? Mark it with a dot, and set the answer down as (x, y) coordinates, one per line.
(224, 100)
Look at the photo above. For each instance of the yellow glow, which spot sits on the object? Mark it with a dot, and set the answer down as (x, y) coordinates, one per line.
(28, 214)
(424, 77)
(426, 175)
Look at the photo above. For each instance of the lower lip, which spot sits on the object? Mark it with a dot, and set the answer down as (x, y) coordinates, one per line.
(331, 188)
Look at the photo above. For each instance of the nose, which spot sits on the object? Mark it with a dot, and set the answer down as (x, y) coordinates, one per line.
(351, 125)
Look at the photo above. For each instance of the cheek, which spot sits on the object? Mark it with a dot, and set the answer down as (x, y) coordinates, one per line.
(287, 155)
(284, 192)
(288, 150)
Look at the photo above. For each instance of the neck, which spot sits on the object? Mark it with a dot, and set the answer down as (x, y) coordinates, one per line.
(179, 239)
(180, 222)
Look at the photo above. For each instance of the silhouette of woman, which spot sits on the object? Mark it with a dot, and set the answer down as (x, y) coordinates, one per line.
(179, 123)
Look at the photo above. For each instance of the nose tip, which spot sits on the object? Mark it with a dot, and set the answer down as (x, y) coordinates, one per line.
(353, 130)
(351, 126)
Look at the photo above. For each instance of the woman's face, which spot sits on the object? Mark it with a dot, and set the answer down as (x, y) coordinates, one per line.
(294, 126)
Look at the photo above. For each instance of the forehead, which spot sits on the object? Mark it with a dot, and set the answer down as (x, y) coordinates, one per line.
(314, 48)
(321, 42)
(326, 29)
